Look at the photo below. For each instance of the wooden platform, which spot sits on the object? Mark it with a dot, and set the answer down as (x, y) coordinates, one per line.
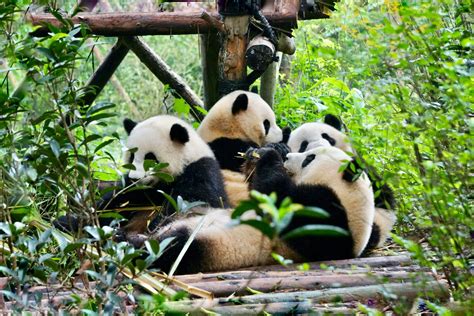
(330, 286)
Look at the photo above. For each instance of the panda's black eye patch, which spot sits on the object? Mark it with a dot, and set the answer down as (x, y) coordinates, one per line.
(303, 146)
(151, 156)
(308, 160)
(331, 140)
(266, 125)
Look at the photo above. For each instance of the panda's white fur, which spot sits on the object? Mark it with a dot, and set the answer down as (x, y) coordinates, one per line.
(310, 135)
(247, 125)
(219, 245)
(153, 135)
(357, 198)
(235, 123)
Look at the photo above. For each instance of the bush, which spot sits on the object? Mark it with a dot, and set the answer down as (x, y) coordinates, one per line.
(399, 73)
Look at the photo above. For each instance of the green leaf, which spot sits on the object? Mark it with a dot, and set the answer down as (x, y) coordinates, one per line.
(170, 200)
(153, 247)
(311, 211)
(55, 148)
(243, 207)
(263, 227)
(61, 240)
(103, 144)
(181, 107)
(316, 230)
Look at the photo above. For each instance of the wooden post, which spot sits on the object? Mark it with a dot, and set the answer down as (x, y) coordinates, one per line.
(209, 56)
(104, 72)
(164, 73)
(232, 64)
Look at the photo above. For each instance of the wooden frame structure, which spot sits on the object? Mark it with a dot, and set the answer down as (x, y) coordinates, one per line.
(224, 41)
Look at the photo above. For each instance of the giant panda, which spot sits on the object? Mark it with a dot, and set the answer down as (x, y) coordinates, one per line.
(196, 173)
(329, 133)
(311, 178)
(238, 121)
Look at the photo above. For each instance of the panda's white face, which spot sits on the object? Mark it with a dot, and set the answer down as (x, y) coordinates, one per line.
(165, 139)
(315, 165)
(312, 135)
(241, 115)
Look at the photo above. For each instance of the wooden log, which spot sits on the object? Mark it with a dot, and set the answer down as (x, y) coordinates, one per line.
(271, 284)
(165, 74)
(232, 63)
(406, 291)
(103, 73)
(389, 261)
(352, 264)
(156, 23)
(246, 275)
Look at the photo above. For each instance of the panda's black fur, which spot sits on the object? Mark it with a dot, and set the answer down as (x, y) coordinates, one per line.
(200, 180)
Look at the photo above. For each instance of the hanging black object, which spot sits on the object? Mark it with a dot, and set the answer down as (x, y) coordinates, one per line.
(237, 7)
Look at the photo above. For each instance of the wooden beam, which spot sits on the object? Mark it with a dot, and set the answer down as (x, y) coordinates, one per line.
(104, 72)
(156, 23)
(164, 73)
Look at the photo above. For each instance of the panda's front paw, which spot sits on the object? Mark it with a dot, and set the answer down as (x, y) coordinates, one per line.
(269, 157)
(281, 148)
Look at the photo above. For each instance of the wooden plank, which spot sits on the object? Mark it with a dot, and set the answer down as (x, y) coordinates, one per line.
(149, 23)
(406, 291)
(246, 275)
(164, 73)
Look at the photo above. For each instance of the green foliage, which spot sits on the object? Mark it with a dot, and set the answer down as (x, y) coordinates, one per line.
(399, 73)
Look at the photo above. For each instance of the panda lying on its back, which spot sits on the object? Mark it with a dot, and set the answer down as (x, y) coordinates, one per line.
(329, 133)
(316, 181)
(237, 122)
(191, 162)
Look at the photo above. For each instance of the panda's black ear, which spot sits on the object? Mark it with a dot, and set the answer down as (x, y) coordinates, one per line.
(129, 124)
(334, 121)
(179, 134)
(286, 135)
(254, 89)
(240, 104)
